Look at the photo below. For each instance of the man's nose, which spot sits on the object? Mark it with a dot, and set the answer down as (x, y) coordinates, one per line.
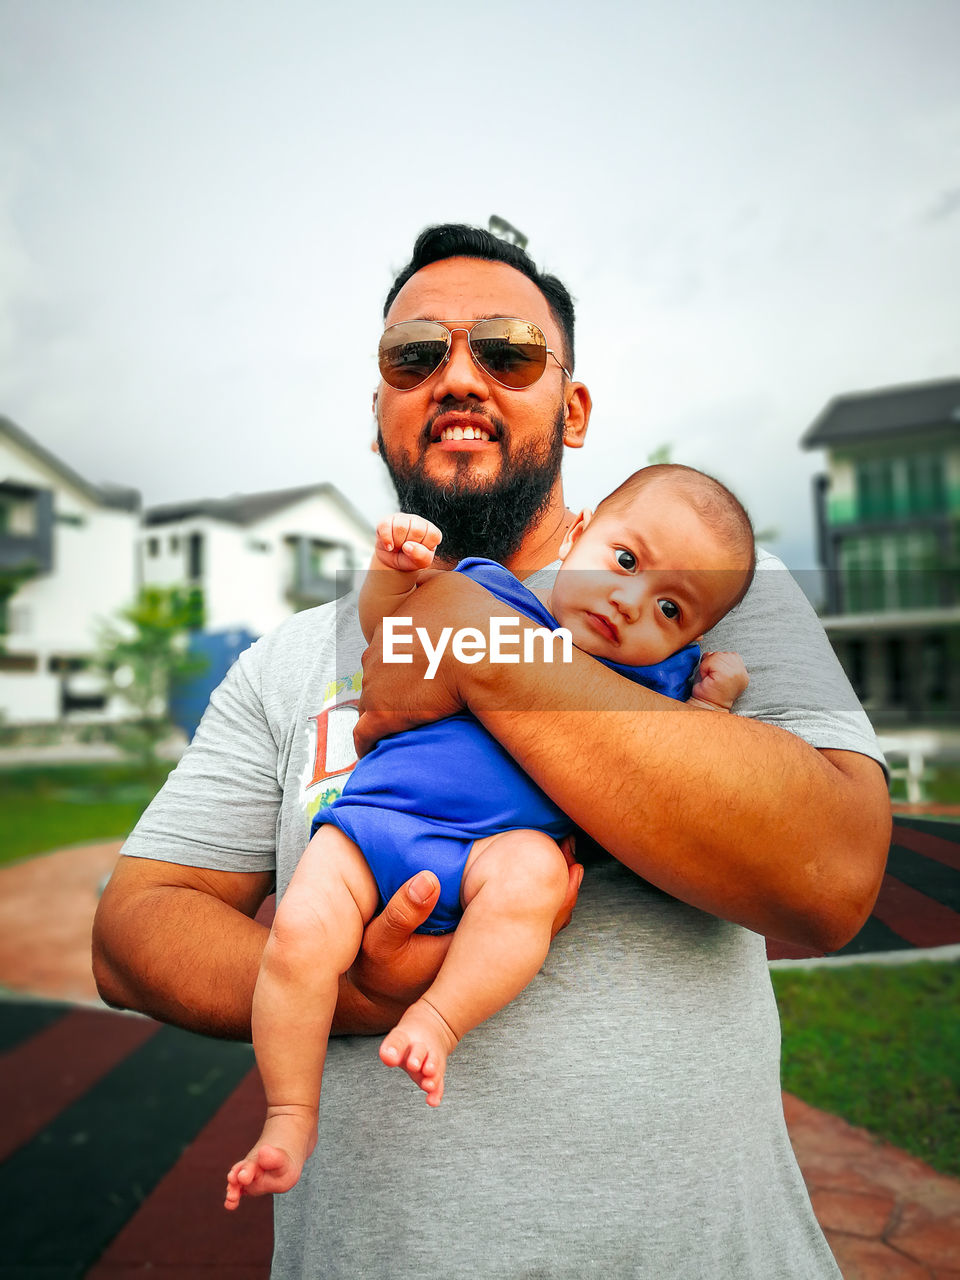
(460, 377)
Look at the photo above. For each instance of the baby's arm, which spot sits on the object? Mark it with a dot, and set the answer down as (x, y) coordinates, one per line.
(722, 679)
(405, 547)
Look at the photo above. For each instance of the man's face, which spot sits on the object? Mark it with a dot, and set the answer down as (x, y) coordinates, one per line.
(483, 493)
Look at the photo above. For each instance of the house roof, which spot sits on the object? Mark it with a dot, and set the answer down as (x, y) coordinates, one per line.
(862, 415)
(248, 508)
(105, 495)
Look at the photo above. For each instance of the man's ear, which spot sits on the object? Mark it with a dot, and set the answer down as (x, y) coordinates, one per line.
(374, 446)
(576, 415)
(572, 536)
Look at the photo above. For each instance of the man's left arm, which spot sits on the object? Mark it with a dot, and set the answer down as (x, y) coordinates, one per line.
(740, 818)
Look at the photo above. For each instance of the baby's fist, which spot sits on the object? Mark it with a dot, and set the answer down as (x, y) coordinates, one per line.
(722, 679)
(406, 542)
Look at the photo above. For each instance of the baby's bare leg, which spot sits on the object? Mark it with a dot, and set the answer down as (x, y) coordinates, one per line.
(315, 937)
(512, 888)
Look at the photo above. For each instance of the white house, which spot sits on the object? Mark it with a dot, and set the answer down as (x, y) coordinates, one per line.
(258, 557)
(77, 540)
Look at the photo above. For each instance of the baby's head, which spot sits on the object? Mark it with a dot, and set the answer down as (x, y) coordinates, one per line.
(659, 562)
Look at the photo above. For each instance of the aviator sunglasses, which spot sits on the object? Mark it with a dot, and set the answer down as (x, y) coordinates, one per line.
(513, 352)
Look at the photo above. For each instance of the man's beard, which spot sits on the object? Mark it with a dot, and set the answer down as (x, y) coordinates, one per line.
(481, 516)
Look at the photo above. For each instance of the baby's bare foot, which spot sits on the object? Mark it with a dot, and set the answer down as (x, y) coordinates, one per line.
(276, 1160)
(421, 1042)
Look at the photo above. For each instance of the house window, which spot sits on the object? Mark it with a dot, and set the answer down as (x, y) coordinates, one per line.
(18, 515)
(326, 559)
(926, 484)
(18, 662)
(59, 664)
(69, 518)
(909, 486)
(896, 682)
(174, 543)
(890, 571)
(153, 547)
(195, 557)
(875, 488)
(934, 675)
(856, 666)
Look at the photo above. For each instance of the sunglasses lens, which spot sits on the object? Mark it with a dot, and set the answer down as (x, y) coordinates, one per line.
(513, 352)
(410, 352)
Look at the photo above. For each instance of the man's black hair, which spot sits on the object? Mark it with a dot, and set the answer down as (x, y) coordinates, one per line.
(456, 240)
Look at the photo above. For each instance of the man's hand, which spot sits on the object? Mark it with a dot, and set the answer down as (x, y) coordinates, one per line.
(565, 914)
(397, 696)
(395, 965)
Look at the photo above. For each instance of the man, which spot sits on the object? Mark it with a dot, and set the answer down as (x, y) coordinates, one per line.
(622, 1117)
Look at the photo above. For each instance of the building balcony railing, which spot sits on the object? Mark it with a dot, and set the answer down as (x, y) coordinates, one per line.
(306, 590)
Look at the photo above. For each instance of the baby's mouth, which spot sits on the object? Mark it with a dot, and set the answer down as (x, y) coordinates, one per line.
(605, 627)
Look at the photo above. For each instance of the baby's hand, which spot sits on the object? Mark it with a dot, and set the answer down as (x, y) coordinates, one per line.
(406, 542)
(722, 679)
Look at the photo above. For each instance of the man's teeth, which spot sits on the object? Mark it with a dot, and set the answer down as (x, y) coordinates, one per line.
(464, 433)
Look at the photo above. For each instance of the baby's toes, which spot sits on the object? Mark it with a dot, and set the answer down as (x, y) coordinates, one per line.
(394, 1047)
(433, 1088)
(417, 1057)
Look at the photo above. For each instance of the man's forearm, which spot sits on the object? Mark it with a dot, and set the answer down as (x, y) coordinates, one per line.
(736, 817)
(179, 943)
(178, 953)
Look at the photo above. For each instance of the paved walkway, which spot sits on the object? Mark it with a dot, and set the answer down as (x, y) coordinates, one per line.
(886, 1215)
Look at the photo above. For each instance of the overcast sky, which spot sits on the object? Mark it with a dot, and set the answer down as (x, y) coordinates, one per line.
(203, 202)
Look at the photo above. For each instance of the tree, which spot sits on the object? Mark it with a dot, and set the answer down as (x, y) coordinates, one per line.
(143, 653)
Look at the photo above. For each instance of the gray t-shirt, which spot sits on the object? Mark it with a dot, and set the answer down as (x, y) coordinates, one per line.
(622, 1116)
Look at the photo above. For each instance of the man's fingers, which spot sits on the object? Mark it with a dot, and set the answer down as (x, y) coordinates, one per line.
(565, 914)
(403, 914)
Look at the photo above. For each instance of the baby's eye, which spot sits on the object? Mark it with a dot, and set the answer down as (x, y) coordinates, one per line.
(669, 609)
(626, 559)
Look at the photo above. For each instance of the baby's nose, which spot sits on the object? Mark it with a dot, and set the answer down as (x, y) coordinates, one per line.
(627, 601)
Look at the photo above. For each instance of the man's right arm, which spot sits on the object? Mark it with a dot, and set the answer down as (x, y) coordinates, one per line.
(179, 943)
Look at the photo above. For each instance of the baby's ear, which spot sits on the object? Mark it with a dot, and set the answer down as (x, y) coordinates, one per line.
(574, 532)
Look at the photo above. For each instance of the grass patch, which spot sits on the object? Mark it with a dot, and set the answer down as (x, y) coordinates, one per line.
(50, 806)
(880, 1046)
(941, 784)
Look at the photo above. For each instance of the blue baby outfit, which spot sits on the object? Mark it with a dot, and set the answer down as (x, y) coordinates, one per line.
(420, 799)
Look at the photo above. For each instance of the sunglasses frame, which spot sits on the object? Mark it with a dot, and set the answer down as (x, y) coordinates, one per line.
(549, 351)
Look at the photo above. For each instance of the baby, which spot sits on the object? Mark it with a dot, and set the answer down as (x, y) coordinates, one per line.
(658, 563)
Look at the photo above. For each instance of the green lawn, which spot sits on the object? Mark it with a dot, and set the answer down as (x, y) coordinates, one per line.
(48, 807)
(941, 785)
(879, 1045)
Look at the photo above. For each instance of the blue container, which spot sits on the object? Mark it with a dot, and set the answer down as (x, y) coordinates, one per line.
(189, 698)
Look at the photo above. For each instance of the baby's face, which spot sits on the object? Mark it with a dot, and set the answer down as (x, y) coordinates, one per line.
(638, 583)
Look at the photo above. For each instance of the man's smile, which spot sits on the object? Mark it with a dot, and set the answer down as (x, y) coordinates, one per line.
(463, 430)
